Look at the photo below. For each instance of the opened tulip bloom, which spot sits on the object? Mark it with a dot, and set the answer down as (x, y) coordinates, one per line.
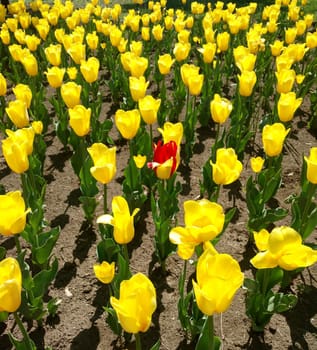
(220, 109)
(104, 272)
(18, 113)
(79, 119)
(122, 220)
(136, 303)
(282, 247)
(287, 106)
(273, 137)
(12, 213)
(128, 122)
(311, 163)
(10, 285)
(165, 160)
(204, 220)
(227, 168)
(104, 159)
(218, 278)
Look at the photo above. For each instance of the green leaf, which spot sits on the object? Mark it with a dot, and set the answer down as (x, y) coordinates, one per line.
(310, 224)
(3, 316)
(156, 346)
(207, 339)
(47, 240)
(107, 250)
(251, 285)
(112, 321)
(280, 302)
(3, 253)
(43, 279)
(21, 345)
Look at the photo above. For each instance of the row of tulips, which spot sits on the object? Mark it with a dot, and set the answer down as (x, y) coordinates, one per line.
(242, 71)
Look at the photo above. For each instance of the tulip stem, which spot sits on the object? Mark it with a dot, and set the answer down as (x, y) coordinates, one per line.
(105, 205)
(137, 341)
(210, 325)
(309, 195)
(26, 337)
(125, 252)
(17, 244)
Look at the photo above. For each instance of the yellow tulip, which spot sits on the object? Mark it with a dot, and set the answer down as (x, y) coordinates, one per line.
(148, 107)
(282, 247)
(183, 36)
(287, 105)
(55, 76)
(145, 33)
(204, 220)
(136, 47)
(285, 80)
(37, 126)
(16, 52)
(79, 119)
(43, 29)
(246, 63)
(77, 52)
(32, 42)
(172, 132)
(72, 73)
(138, 87)
(227, 168)
(208, 51)
(19, 35)
(18, 113)
(165, 63)
(257, 164)
(30, 64)
(138, 66)
(247, 80)
(13, 213)
(3, 85)
(104, 160)
(5, 36)
(311, 40)
(90, 69)
(195, 84)
(122, 220)
(104, 272)
(276, 47)
(136, 303)
(139, 161)
(187, 71)
(157, 32)
(115, 36)
(218, 278)
(223, 39)
(220, 109)
(181, 51)
(10, 285)
(128, 122)
(92, 40)
(53, 54)
(71, 94)
(24, 93)
(311, 163)
(273, 137)
(290, 35)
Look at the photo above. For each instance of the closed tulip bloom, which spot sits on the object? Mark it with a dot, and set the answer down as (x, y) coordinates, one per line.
(218, 278)
(181, 51)
(43, 29)
(115, 36)
(257, 164)
(139, 161)
(145, 33)
(92, 40)
(136, 47)
(138, 66)
(90, 69)
(157, 32)
(30, 64)
(220, 109)
(165, 63)
(104, 160)
(187, 71)
(72, 72)
(71, 94)
(55, 76)
(227, 168)
(311, 40)
(204, 220)
(208, 51)
(53, 54)
(10, 285)
(128, 122)
(3, 85)
(24, 93)
(32, 42)
(172, 132)
(290, 35)
(165, 159)
(5, 36)
(77, 52)
(136, 303)
(311, 163)
(79, 119)
(138, 87)
(247, 62)
(276, 48)
(247, 80)
(285, 80)
(121, 220)
(223, 41)
(273, 137)
(282, 247)
(37, 126)
(16, 52)
(287, 105)
(13, 213)
(148, 107)
(195, 84)
(104, 272)
(126, 58)
(18, 113)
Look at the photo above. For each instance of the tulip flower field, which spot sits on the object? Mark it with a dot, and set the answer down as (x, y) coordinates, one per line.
(158, 175)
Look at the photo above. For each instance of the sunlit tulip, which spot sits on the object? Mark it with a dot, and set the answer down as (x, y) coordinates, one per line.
(223, 39)
(71, 94)
(138, 66)
(79, 119)
(272, 26)
(227, 168)
(53, 54)
(5, 36)
(128, 122)
(16, 52)
(247, 80)
(285, 80)
(138, 87)
(282, 247)
(273, 137)
(287, 106)
(10, 285)
(220, 109)
(136, 47)
(30, 64)
(12, 23)
(92, 40)
(136, 303)
(3, 85)
(204, 220)
(104, 272)
(90, 69)
(55, 76)
(210, 35)
(19, 35)
(32, 42)
(115, 36)
(183, 36)
(247, 62)
(121, 220)
(277, 47)
(218, 278)
(16, 148)
(172, 132)
(77, 52)
(104, 160)
(309, 19)
(37, 126)
(165, 159)
(72, 73)
(145, 33)
(284, 62)
(181, 51)
(43, 29)
(208, 51)
(18, 113)
(157, 32)
(311, 163)
(188, 70)
(165, 63)
(257, 164)
(311, 40)
(148, 107)
(139, 161)
(13, 213)
(290, 35)
(195, 84)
